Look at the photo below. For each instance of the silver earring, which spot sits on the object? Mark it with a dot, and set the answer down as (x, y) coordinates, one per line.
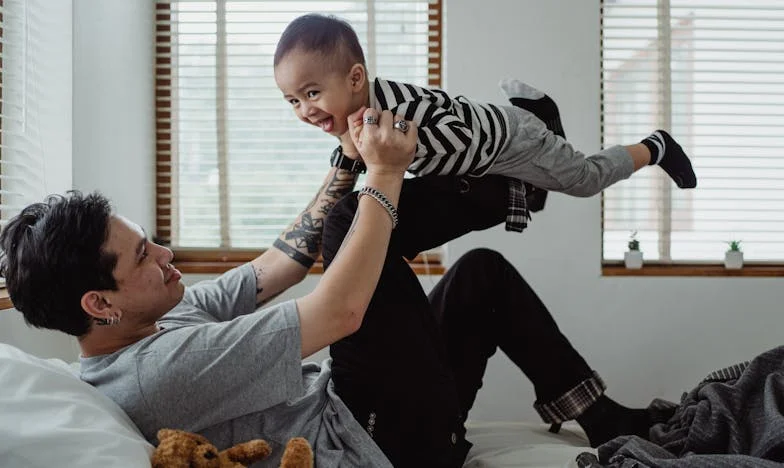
(113, 320)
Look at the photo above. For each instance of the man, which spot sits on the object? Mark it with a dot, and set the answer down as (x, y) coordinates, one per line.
(404, 373)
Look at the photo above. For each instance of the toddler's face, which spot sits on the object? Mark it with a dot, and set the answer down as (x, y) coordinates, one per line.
(319, 95)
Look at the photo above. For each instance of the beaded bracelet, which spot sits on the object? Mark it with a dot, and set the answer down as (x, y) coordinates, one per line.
(383, 200)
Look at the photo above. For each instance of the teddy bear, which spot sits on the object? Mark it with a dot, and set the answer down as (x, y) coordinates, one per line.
(181, 449)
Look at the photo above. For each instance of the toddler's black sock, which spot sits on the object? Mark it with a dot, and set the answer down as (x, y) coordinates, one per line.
(668, 154)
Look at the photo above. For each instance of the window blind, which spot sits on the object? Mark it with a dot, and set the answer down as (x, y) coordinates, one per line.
(712, 72)
(234, 165)
(35, 102)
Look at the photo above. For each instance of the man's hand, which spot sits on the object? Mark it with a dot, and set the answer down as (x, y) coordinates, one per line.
(384, 148)
(354, 120)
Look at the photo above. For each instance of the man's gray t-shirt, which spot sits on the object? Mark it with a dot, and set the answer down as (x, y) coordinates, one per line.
(232, 374)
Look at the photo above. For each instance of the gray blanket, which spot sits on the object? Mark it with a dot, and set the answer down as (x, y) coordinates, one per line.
(733, 418)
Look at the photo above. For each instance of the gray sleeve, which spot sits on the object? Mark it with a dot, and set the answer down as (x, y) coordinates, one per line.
(198, 376)
(229, 295)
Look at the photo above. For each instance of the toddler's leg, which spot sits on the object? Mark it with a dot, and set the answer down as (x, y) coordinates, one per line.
(664, 150)
(549, 162)
(537, 155)
(535, 102)
(668, 154)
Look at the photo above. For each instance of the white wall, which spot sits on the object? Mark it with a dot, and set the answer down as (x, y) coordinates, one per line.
(114, 130)
(647, 336)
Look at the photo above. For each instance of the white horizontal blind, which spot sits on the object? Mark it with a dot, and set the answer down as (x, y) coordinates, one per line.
(35, 109)
(235, 165)
(712, 72)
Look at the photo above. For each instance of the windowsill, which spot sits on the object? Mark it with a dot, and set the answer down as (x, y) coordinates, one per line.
(693, 269)
(216, 261)
(5, 301)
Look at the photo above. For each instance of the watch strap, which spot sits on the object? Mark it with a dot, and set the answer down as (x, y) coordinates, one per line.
(341, 161)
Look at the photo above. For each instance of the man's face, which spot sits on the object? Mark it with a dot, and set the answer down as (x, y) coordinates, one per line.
(148, 285)
(319, 95)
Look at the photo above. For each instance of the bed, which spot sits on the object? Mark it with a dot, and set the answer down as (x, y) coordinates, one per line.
(51, 418)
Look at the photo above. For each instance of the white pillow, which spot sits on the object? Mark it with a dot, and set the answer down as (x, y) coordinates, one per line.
(51, 418)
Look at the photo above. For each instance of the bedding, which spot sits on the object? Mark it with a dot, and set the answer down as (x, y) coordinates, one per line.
(733, 418)
(51, 418)
(524, 444)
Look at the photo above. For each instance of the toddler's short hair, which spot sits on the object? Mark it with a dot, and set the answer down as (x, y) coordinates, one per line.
(329, 36)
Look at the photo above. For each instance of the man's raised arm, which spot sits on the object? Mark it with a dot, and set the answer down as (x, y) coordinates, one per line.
(337, 305)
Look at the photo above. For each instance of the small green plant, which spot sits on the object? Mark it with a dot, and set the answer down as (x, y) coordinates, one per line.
(634, 244)
(734, 246)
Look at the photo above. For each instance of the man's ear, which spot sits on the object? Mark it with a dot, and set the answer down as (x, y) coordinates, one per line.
(97, 305)
(357, 76)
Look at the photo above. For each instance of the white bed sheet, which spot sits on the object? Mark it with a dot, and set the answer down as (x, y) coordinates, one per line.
(512, 444)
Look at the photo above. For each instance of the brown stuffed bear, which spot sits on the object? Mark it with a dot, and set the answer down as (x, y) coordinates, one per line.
(180, 449)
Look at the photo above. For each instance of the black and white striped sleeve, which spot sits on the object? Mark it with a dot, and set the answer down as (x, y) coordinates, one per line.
(441, 133)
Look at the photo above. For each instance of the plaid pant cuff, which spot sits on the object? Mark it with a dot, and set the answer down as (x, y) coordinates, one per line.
(517, 215)
(572, 403)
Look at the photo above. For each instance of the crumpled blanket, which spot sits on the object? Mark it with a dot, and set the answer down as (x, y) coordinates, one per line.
(733, 418)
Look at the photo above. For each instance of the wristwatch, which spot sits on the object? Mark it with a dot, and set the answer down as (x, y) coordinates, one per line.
(341, 161)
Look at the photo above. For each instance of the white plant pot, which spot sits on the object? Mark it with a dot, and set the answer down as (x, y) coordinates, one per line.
(733, 260)
(633, 259)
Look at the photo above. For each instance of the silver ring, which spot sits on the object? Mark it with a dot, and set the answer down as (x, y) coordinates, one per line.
(370, 120)
(401, 125)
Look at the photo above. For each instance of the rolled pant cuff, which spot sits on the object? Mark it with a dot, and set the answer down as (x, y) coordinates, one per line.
(572, 403)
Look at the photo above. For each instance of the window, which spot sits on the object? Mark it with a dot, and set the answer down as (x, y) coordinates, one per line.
(35, 102)
(711, 71)
(234, 165)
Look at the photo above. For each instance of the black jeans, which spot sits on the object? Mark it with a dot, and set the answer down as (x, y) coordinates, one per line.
(410, 374)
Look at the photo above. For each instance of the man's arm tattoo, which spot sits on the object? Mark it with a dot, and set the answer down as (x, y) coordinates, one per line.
(342, 183)
(303, 241)
(259, 273)
(326, 205)
(307, 233)
(293, 253)
(259, 289)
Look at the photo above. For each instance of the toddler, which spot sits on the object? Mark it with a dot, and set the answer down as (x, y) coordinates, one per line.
(320, 68)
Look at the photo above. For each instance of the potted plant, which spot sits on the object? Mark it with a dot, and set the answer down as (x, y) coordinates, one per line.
(733, 258)
(633, 257)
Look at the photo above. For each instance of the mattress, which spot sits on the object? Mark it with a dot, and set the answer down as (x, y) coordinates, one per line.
(512, 444)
